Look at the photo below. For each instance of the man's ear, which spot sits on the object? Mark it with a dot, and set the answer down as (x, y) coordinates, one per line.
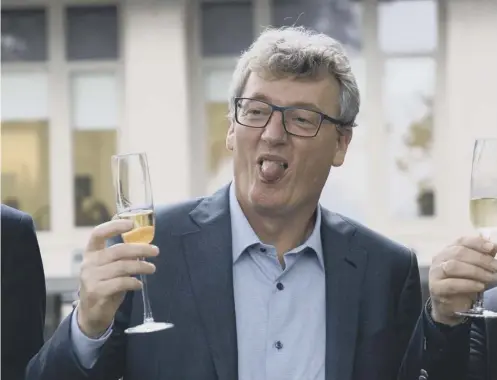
(230, 137)
(343, 140)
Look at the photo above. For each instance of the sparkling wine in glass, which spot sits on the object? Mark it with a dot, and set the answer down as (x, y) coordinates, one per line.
(134, 202)
(483, 205)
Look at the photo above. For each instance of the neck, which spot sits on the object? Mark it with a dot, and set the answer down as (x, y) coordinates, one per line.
(284, 232)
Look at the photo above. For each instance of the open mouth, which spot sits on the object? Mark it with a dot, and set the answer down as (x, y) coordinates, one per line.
(272, 169)
(263, 161)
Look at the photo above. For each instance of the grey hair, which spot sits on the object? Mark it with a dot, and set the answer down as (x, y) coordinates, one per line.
(298, 53)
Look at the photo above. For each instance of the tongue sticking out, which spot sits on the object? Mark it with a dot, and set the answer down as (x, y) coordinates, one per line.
(272, 171)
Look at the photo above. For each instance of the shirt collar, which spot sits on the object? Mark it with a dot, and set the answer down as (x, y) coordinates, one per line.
(243, 236)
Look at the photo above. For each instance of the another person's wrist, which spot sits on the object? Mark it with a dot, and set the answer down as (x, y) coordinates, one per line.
(89, 329)
(443, 321)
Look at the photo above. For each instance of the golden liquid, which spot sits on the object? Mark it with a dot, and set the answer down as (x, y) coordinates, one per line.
(143, 231)
(484, 213)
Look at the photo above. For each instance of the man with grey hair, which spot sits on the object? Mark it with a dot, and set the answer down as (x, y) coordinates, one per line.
(259, 280)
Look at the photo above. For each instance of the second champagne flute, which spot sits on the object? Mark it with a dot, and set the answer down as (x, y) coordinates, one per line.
(483, 205)
(134, 202)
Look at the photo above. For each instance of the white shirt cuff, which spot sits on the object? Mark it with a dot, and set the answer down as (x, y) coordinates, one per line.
(85, 348)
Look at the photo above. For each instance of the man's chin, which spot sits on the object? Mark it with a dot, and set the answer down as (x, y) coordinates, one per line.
(269, 199)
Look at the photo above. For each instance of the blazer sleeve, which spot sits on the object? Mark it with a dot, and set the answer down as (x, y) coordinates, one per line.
(58, 361)
(478, 355)
(23, 297)
(457, 353)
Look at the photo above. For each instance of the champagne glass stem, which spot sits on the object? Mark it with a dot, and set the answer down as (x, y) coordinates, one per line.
(147, 310)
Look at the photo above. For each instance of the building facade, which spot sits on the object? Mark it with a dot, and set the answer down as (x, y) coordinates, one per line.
(82, 80)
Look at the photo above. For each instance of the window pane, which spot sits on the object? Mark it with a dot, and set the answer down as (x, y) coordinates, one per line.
(338, 19)
(216, 85)
(24, 35)
(24, 96)
(409, 88)
(226, 27)
(93, 188)
(25, 169)
(92, 33)
(95, 100)
(408, 26)
(218, 126)
(25, 145)
(95, 118)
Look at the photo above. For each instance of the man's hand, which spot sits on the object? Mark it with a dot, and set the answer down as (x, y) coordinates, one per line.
(106, 276)
(457, 274)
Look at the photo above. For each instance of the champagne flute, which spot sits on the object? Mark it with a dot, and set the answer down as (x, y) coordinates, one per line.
(134, 202)
(483, 205)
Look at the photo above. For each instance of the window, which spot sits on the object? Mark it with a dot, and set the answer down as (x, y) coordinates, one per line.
(408, 26)
(409, 91)
(338, 19)
(346, 190)
(24, 35)
(216, 94)
(227, 27)
(25, 145)
(408, 39)
(227, 30)
(94, 118)
(92, 33)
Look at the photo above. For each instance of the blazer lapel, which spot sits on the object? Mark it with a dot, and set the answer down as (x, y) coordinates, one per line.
(209, 259)
(345, 264)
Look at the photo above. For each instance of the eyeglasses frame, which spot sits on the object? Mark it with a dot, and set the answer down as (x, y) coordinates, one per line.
(282, 109)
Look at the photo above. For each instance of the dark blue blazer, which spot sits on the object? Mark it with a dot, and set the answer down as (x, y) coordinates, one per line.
(373, 297)
(23, 293)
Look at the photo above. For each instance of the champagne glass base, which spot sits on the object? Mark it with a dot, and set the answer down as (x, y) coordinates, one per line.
(148, 327)
(478, 313)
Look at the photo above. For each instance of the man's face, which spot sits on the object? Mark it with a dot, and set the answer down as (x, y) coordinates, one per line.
(276, 173)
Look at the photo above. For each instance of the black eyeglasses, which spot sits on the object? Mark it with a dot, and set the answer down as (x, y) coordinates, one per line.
(297, 121)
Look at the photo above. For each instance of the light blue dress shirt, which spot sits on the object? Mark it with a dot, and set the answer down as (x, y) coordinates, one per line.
(280, 313)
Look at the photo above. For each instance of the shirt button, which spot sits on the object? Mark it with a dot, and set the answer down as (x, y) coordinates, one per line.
(263, 250)
(280, 286)
(278, 345)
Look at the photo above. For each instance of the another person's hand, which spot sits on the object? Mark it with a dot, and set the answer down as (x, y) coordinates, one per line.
(107, 274)
(458, 274)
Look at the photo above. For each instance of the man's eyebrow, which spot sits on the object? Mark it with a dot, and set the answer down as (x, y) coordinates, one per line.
(307, 105)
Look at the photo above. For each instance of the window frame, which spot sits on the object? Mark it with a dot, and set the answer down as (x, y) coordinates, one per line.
(404, 229)
(373, 110)
(60, 71)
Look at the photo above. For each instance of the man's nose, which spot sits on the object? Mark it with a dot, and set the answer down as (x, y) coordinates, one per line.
(275, 132)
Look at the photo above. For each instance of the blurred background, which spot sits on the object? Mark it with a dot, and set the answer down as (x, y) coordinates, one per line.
(83, 80)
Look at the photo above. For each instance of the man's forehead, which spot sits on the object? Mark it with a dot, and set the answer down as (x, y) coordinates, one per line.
(289, 90)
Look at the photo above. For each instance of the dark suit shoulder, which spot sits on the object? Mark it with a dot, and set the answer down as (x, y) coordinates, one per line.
(15, 223)
(393, 260)
(12, 217)
(374, 241)
(175, 217)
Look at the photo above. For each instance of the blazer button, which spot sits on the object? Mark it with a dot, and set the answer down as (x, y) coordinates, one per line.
(423, 375)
